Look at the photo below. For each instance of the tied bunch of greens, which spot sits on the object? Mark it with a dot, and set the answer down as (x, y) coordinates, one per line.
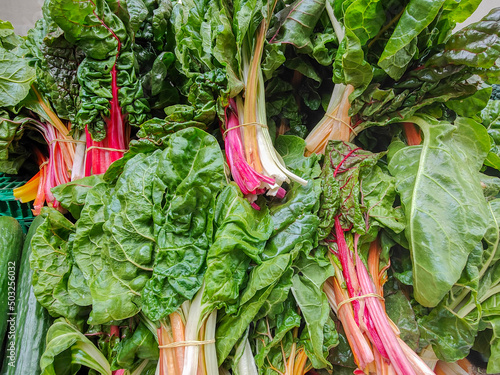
(259, 187)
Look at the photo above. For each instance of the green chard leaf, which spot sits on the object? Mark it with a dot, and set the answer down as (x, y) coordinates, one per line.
(8, 38)
(68, 349)
(283, 323)
(89, 236)
(128, 243)
(308, 292)
(346, 166)
(107, 43)
(491, 121)
(240, 235)
(494, 359)
(442, 76)
(362, 19)
(451, 335)
(476, 45)
(56, 62)
(138, 346)
(190, 174)
(52, 263)
(297, 22)
(452, 326)
(399, 310)
(402, 46)
(14, 148)
(72, 195)
(441, 173)
(16, 77)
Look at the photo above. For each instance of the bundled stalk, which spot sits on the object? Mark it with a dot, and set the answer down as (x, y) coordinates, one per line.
(262, 170)
(56, 169)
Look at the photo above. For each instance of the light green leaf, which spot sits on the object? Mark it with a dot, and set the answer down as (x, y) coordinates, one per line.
(446, 212)
(16, 77)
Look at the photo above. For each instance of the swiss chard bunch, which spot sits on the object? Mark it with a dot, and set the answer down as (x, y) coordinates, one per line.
(110, 94)
(358, 200)
(440, 70)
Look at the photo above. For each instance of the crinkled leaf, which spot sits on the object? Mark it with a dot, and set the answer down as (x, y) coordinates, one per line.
(14, 150)
(451, 336)
(89, 236)
(346, 166)
(129, 244)
(106, 42)
(363, 20)
(52, 263)
(240, 236)
(379, 194)
(56, 61)
(190, 174)
(72, 195)
(382, 106)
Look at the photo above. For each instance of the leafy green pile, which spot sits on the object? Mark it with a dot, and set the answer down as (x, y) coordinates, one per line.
(164, 249)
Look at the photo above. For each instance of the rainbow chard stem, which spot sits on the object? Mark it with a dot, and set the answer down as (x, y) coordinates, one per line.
(250, 182)
(381, 325)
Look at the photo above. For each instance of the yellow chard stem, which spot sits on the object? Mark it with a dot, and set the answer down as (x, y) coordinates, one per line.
(250, 110)
(56, 121)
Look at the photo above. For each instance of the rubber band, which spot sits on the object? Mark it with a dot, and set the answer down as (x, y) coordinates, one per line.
(43, 164)
(242, 125)
(343, 122)
(342, 303)
(186, 343)
(65, 141)
(105, 149)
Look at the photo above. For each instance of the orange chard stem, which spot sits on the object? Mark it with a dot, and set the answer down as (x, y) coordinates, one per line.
(413, 135)
(40, 195)
(300, 362)
(178, 330)
(466, 365)
(438, 370)
(169, 362)
(344, 121)
(161, 359)
(374, 266)
(361, 349)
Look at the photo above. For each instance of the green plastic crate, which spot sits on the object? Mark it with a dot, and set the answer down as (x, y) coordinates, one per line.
(9, 206)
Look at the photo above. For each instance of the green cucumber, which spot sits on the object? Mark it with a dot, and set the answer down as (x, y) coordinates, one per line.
(11, 245)
(32, 319)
